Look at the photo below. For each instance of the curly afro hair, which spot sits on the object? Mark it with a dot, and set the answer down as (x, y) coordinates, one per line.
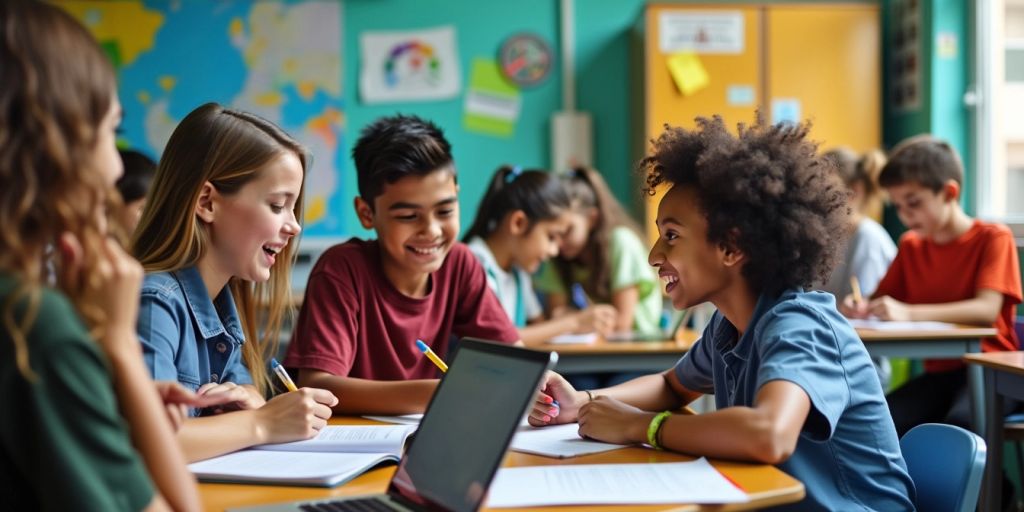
(765, 192)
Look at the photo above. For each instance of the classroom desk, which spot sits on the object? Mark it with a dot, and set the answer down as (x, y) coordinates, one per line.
(622, 356)
(1004, 377)
(766, 485)
(952, 344)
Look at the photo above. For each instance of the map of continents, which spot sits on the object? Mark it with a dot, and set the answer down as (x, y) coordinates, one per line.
(280, 60)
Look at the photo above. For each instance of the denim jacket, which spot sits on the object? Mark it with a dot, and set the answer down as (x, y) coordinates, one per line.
(187, 337)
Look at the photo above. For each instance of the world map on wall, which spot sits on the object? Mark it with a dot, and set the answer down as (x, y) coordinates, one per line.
(279, 60)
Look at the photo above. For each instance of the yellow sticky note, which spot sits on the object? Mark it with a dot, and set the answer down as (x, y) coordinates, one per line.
(688, 72)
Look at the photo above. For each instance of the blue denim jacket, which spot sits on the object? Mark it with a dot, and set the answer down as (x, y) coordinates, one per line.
(187, 337)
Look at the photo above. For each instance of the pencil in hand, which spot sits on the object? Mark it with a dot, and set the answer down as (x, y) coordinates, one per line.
(858, 299)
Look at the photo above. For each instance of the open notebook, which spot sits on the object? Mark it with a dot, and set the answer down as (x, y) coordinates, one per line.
(336, 455)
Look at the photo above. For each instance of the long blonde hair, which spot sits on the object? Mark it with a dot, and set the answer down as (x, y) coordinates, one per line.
(56, 87)
(224, 147)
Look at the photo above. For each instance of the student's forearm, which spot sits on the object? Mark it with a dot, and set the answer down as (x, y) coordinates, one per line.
(625, 301)
(152, 434)
(973, 311)
(537, 333)
(650, 393)
(740, 433)
(209, 436)
(362, 396)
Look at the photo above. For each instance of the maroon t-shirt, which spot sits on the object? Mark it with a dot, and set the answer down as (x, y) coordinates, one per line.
(354, 323)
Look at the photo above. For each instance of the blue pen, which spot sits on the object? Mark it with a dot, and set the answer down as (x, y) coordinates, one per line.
(579, 297)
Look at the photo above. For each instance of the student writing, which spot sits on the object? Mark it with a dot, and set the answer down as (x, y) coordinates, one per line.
(217, 241)
(603, 251)
(519, 224)
(949, 267)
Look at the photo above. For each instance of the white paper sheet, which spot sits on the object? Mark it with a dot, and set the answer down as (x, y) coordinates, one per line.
(875, 324)
(612, 484)
(405, 419)
(587, 338)
(351, 439)
(559, 441)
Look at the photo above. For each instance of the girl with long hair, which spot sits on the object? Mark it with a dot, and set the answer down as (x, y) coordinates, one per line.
(215, 240)
(519, 225)
(79, 412)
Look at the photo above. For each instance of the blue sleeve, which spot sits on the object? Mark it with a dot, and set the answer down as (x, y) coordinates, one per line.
(695, 369)
(799, 346)
(160, 332)
(235, 370)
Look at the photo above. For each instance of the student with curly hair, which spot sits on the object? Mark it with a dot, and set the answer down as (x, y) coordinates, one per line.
(751, 220)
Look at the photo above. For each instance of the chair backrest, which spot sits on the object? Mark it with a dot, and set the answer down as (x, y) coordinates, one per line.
(946, 463)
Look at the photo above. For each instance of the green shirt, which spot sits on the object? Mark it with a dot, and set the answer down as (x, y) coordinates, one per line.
(629, 267)
(63, 443)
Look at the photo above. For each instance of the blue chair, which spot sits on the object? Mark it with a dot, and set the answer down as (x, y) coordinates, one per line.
(946, 464)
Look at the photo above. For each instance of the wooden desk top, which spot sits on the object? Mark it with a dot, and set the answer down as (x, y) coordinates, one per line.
(1012, 362)
(684, 340)
(766, 485)
(961, 332)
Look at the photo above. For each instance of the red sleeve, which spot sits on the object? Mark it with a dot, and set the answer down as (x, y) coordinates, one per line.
(325, 333)
(894, 282)
(999, 268)
(479, 313)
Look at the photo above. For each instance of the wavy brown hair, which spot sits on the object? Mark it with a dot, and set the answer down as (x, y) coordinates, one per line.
(226, 148)
(587, 189)
(764, 191)
(56, 86)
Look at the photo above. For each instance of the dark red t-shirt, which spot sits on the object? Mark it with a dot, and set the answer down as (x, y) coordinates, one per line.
(354, 323)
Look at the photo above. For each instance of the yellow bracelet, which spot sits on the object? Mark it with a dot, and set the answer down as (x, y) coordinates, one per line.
(655, 427)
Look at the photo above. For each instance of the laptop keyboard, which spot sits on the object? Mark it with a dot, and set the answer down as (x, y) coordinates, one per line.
(371, 504)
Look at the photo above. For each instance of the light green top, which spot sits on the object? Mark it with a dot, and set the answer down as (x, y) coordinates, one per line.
(629, 267)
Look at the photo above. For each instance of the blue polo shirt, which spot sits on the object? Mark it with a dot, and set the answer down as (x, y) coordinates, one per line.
(848, 456)
(186, 336)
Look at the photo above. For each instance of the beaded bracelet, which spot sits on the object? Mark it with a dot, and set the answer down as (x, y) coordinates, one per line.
(655, 427)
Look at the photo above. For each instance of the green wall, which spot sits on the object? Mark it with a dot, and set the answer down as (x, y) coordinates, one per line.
(479, 27)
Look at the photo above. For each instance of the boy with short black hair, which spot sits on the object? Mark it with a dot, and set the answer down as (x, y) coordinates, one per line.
(367, 302)
(949, 267)
(749, 222)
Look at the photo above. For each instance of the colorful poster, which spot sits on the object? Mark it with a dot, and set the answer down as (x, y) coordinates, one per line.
(281, 60)
(418, 65)
(492, 104)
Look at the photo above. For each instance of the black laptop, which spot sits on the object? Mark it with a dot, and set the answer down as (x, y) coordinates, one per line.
(462, 438)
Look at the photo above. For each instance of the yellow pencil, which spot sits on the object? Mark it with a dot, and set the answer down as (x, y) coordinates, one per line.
(855, 284)
(283, 375)
(431, 355)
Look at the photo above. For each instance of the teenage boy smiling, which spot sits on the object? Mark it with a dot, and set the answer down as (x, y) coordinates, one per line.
(367, 302)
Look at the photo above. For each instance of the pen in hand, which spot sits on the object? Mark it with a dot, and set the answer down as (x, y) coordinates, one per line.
(283, 375)
(431, 355)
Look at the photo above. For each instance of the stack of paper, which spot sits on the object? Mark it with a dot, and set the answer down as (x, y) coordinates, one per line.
(334, 456)
(612, 484)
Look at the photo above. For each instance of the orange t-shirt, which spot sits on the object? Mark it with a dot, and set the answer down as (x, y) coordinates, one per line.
(985, 257)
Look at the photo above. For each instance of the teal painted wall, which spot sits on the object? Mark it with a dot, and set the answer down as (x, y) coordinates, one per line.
(480, 28)
(944, 82)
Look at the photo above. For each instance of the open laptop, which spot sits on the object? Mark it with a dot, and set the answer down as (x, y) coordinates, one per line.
(463, 435)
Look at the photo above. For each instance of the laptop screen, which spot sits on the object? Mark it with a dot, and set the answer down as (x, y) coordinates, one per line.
(468, 425)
